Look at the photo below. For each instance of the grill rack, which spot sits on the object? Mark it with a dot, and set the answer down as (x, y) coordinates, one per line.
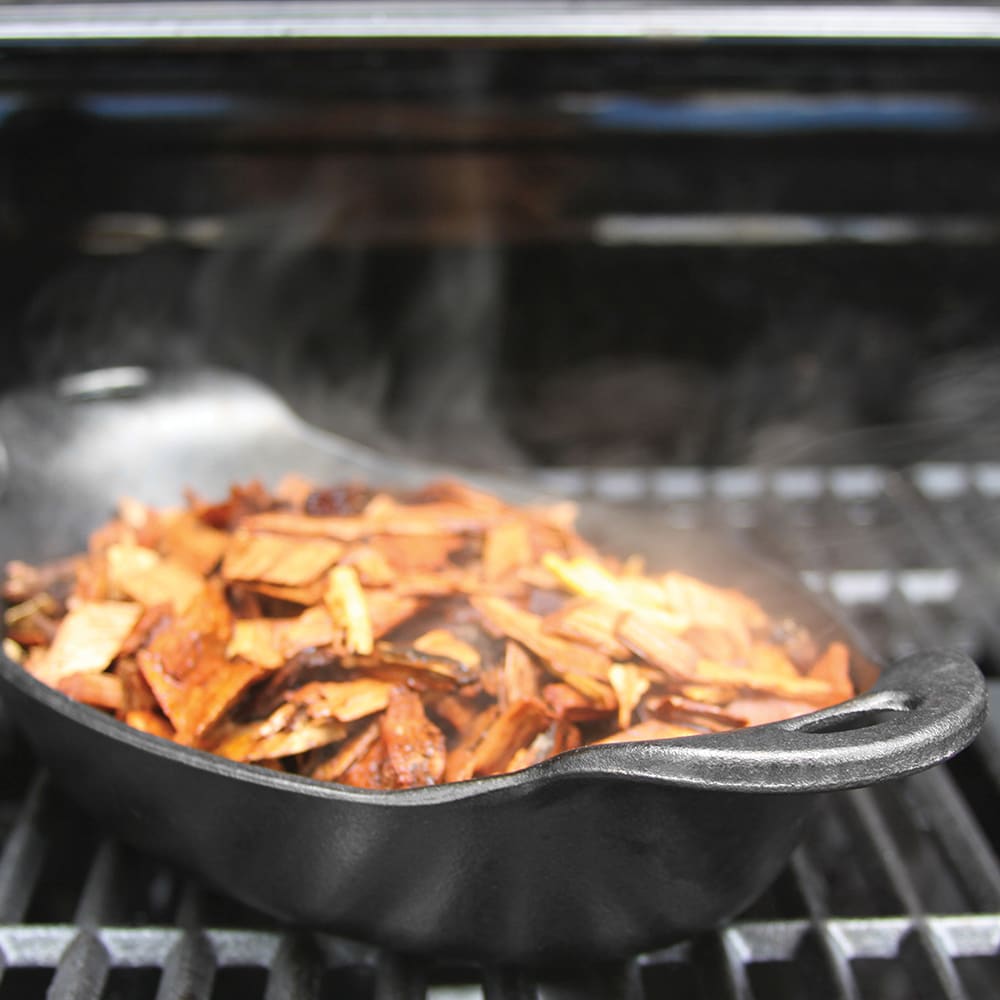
(895, 891)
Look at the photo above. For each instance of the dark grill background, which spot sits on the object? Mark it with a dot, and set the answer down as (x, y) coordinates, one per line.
(894, 894)
(802, 234)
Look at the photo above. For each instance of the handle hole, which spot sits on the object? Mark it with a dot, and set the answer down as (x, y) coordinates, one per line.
(849, 722)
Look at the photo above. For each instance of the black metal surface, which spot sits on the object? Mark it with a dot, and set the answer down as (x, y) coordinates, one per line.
(895, 891)
(484, 869)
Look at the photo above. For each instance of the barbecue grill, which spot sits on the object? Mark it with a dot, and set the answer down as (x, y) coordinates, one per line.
(455, 218)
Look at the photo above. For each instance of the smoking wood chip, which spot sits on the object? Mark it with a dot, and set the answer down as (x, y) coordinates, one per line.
(23, 581)
(372, 769)
(144, 576)
(414, 746)
(136, 694)
(271, 559)
(99, 690)
(149, 722)
(709, 694)
(192, 680)
(558, 655)
(191, 542)
(343, 529)
(719, 644)
(88, 639)
(651, 729)
(642, 632)
(817, 692)
(541, 747)
(237, 742)
(568, 703)
(33, 622)
(455, 711)
(770, 660)
(346, 701)
(271, 642)
(506, 548)
(275, 737)
(440, 642)
(345, 601)
(671, 708)
(520, 677)
(416, 555)
(592, 623)
(348, 754)
(834, 668)
(418, 663)
(513, 729)
(587, 577)
(306, 737)
(460, 758)
(629, 686)
(565, 736)
(388, 611)
(711, 606)
(372, 567)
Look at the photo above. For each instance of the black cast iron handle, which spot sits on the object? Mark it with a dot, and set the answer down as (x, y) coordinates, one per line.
(923, 710)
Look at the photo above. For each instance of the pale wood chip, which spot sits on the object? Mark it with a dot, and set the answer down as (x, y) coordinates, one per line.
(142, 575)
(277, 560)
(506, 548)
(89, 638)
(348, 609)
(629, 686)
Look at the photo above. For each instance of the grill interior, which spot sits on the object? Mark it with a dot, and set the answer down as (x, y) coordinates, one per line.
(895, 891)
(483, 226)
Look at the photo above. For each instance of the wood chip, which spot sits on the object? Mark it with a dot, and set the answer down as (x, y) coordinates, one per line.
(520, 676)
(144, 576)
(345, 601)
(629, 686)
(276, 560)
(89, 638)
(346, 701)
(99, 690)
(415, 747)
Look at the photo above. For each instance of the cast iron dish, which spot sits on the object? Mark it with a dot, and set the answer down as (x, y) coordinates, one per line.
(595, 854)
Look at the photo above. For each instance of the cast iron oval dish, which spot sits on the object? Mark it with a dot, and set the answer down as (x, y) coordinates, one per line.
(598, 853)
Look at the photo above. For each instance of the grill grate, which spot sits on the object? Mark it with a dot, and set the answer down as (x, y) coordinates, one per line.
(895, 891)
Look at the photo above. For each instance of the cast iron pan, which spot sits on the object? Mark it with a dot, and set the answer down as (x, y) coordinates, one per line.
(599, 853)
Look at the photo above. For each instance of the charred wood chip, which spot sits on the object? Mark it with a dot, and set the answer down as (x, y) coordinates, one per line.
(414, 746)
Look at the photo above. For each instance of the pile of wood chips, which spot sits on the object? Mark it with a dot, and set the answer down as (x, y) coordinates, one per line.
(392, 641)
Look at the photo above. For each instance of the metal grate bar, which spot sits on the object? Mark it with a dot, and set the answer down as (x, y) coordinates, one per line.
(932, 965)
(296, 972)
(82, 969)
(722, 962)
(830, 954)
(99, 891)
(934, 795)
(23, 854)
(913, 508)
(189, 969)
